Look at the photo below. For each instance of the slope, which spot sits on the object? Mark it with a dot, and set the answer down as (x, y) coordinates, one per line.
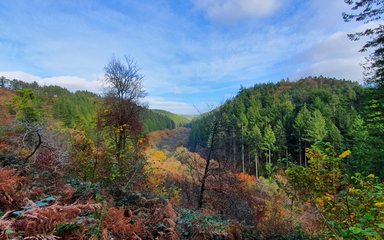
(278, 121)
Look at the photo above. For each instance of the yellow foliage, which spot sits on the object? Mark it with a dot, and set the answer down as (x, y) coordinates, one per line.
(319, 202)
(371, 176)
(159, 155)
(379, 204)
(345, 154)
(23, 153)
(352, 190)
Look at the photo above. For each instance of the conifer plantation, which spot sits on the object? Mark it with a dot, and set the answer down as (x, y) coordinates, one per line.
(288, 159)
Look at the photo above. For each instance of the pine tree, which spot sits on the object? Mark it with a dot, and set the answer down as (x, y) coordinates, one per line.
(269, 141)
(316, 130)
(300, 124)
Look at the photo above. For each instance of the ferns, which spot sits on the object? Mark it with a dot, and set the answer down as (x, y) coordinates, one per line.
(121, 226)
(10, 182)
(42, 237)
(46, 220)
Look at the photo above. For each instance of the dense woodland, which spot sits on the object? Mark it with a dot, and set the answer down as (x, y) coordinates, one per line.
(275, 123)
(287, 160)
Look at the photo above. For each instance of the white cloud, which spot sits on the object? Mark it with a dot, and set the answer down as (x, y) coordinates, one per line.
(334, 56)
(232, 10)
(349, 69)
(72, 83)
(171, 106)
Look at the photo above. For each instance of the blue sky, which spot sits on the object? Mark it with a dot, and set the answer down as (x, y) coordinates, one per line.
(193, 54)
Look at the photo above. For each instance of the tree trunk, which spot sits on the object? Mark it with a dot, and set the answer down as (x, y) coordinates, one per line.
(305, 155)
(286, 157)
(300, 153)
(242, 150)
(249, 160)
(206, 170)
(256, 166)
(269, 156)
(234, 149)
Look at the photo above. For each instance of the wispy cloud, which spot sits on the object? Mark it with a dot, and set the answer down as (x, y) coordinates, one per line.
(232, 10)
(72, 83)
(171, 106)
(334, 56)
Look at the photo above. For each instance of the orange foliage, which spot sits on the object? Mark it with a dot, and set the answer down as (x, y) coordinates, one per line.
(45, 220)
(5, 97)
(245, 177)
(4, 147)
(10, 183)
(122, 225)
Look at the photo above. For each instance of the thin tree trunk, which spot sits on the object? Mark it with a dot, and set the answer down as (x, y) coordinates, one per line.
(249, 159)
(234, 148)
(206, 170)
(286, 157)
(305, 155)
(256, 166)
(269, 156)
(242, 149)
(36, 147)
(300, 153)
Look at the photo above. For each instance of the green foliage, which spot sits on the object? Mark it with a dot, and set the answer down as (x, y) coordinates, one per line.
(192, 222)
(316, 130)
(351, 207)
(84, 190)
(301, 122)
(269, 138)
(155, 120)
(291, 116)
(179, 120)
(66, 229)
(24, 105)
(76, 109)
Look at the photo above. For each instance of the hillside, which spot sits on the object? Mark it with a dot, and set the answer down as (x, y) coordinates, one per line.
(5, 96)
(277, 122)
(78, 109)
(179, 120)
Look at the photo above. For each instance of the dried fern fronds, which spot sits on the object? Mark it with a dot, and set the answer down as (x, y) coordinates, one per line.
(10, 182)
(45, 220)
(42, 237)
(121, 225)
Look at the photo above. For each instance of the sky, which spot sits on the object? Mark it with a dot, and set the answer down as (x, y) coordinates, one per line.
(193, 54)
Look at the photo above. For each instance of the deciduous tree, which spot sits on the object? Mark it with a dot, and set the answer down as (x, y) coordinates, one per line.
(120, 116)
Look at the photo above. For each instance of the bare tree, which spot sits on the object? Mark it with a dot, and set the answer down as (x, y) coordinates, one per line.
(211, 144)
(120, 115)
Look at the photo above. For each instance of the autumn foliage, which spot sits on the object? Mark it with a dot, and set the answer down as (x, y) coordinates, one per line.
(11, 189)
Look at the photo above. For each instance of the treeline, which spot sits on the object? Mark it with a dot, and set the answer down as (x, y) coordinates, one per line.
(274, 123)
(153, 121)
(79, 109)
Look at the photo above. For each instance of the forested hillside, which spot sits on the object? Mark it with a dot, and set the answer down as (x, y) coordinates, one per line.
(275, 162)
(155, 119)
(275, 123)
(79, 109)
